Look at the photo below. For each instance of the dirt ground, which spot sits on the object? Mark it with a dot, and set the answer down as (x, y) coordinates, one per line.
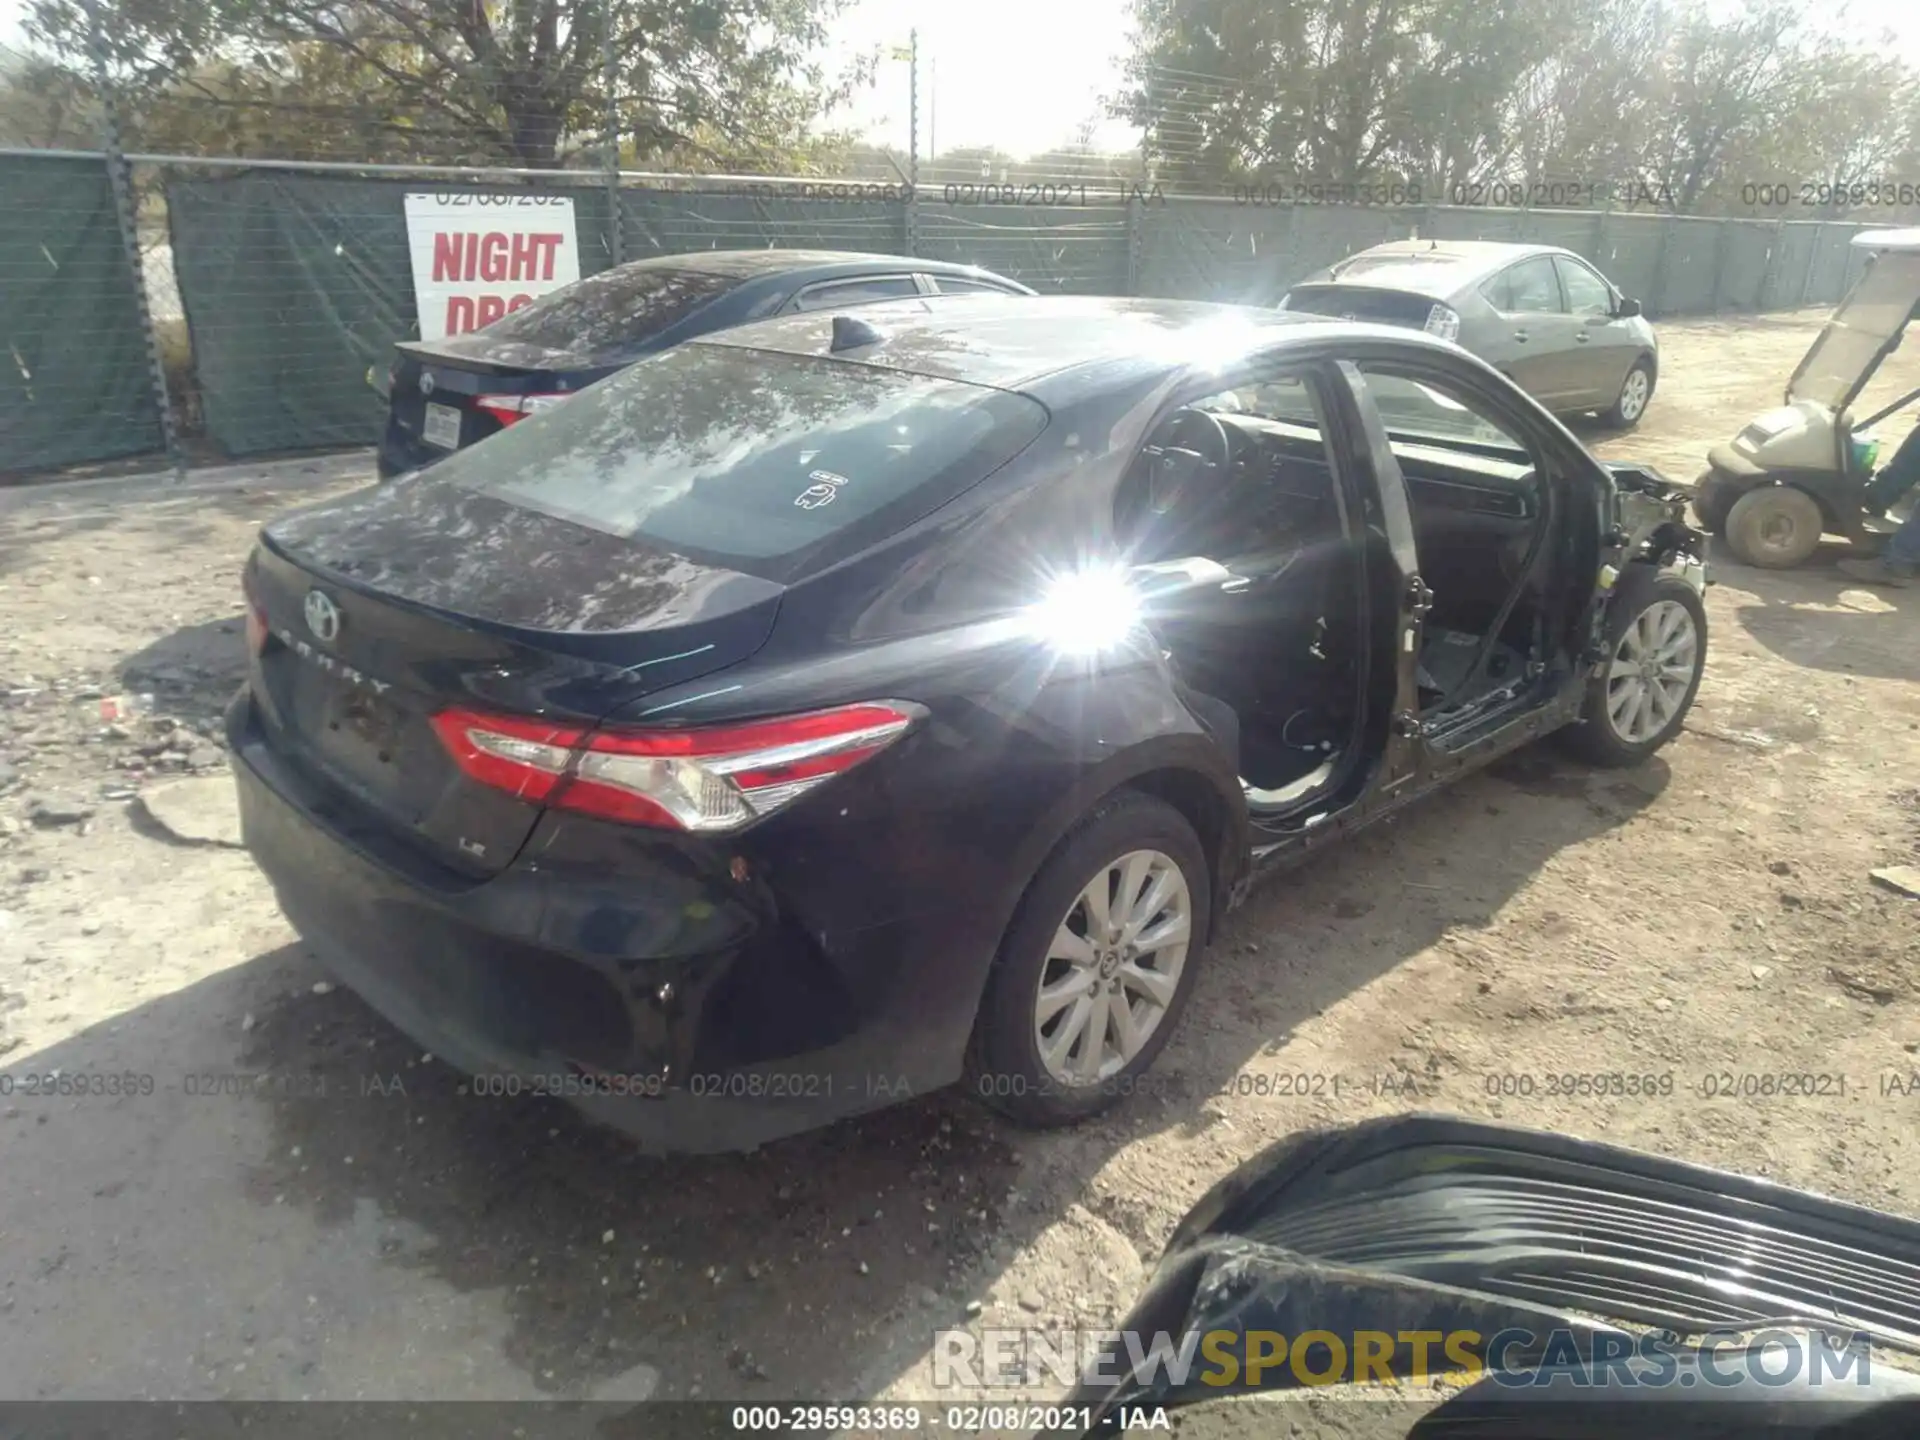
(305, 1206)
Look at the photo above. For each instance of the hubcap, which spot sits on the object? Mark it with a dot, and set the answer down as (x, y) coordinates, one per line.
(1653, 668)
(1777, 531)
(1112, 968)
(1633, 395)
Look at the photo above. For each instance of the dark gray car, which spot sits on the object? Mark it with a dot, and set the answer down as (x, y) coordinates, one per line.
(1558, 327)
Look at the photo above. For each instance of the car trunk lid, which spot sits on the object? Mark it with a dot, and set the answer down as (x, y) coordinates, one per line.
(435, 390)
(1363, 302)
(395, 603)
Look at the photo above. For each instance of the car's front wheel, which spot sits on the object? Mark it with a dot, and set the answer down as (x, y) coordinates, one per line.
(1096, 967)
(1656, 655)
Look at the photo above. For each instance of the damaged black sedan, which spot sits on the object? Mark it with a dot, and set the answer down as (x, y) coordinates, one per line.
(841, 707)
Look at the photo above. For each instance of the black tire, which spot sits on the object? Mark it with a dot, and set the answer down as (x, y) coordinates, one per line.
(1630, 405)
(1713, 498)
(1775, 527)
(1004, 1067)
(1594, 738)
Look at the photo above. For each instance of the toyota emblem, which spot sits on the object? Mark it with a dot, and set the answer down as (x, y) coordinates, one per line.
(426, 383)
(323, 617)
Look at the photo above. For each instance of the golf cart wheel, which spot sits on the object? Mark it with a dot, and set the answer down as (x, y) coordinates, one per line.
(1656, 655)
(1096, 967)
(1775, 527)
(1631, 403)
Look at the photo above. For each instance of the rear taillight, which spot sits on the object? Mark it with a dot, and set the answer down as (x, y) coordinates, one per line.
(708, 779)
(509, 408)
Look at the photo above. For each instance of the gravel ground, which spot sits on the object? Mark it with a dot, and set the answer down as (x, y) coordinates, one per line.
(305, 1206)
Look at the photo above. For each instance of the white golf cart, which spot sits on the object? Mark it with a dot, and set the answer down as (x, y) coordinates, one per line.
(1801, 471)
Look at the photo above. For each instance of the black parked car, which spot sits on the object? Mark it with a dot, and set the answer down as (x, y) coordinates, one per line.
(443, 395)
(817, 713)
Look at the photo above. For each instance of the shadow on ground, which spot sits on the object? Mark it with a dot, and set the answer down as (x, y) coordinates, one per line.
(1817, 617)
(771, 1275)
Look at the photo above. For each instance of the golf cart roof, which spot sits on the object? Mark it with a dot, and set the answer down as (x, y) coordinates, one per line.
(1866, 326)
(1908, 240)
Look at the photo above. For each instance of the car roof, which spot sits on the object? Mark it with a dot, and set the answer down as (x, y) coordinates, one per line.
(829, 264)
(1032, 344)
(1432, 267)
(1907, 240)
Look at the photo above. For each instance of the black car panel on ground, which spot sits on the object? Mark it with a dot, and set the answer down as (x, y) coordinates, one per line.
(809, 716)
(444, 395)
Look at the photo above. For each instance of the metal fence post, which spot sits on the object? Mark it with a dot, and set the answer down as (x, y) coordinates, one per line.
(912, 217)
(610, 80)
(1813, 259)
(1134, 209)
(1763, 300)
(1658, 302)
(1720, 233)
(120, 178)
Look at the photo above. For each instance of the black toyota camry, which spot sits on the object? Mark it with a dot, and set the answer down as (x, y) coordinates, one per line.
(833, 709)
(444, 395)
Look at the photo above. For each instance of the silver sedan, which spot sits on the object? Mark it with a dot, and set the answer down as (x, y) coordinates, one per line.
(1558, 327)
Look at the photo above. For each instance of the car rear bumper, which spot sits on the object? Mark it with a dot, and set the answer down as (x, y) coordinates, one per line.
(401, 452)
(663, 999)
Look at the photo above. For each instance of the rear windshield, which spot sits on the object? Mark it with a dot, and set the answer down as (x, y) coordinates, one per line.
(764, 462)
(1359, 302)
(598, 317)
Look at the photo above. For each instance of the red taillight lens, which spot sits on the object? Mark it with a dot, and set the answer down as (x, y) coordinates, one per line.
(710, 779)
(508, 409)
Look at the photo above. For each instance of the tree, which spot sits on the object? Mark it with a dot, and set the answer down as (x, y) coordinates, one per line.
(1723, 84)
(1337, 91)
(507, 81)
(45, 106)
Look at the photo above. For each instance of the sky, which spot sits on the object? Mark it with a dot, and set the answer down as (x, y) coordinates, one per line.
(1025, 75)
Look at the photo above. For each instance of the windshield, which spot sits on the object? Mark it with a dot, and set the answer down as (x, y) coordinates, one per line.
(749, 458)
(1868, 322)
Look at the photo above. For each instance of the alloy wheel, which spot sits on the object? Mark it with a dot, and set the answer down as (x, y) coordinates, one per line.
(1113, 968)
(1634, 394)
(1653, 669)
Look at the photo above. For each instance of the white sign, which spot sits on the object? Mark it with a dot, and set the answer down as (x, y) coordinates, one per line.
(475, 257)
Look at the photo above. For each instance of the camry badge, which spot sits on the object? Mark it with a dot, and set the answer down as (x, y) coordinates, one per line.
(323, 617)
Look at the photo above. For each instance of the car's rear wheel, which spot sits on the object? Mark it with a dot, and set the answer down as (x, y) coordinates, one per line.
(1775, 527)
(1656, 655)
(1096, 967)
(1631, 403)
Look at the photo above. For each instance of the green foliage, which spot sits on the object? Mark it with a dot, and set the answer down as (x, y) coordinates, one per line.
(1689, 102)
(516, 82)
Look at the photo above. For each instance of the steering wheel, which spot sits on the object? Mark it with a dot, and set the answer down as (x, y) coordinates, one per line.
(1198, 431)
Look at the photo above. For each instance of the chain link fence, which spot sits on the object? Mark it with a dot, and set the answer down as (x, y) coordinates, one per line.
(268, 289)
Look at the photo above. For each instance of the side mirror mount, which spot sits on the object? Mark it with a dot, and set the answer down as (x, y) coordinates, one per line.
(1626, 309)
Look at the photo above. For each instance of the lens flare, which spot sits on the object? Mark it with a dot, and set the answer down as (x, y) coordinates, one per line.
(1086, 611)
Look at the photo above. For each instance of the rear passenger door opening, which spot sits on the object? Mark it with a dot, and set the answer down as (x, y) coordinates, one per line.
(1483, 512)
(1274, 658)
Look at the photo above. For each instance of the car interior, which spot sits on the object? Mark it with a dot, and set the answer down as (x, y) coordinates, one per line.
(1244, 479)
(1477, 506)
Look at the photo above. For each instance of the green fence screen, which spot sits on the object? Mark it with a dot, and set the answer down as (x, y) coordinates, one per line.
(75, 384)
